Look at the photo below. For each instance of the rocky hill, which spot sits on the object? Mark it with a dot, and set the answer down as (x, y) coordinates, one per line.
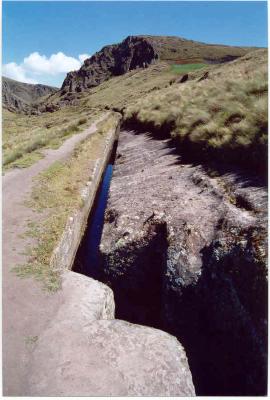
(19, 96)
(141, 51)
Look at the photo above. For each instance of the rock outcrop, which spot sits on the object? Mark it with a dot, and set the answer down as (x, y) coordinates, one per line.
(86, 352)
(20, 97)
(113, 60)
(183, 249)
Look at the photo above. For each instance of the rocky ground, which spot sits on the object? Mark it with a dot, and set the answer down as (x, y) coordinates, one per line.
(183, 248)
(101, 356)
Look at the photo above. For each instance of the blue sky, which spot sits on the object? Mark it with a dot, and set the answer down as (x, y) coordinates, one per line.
(44, 40)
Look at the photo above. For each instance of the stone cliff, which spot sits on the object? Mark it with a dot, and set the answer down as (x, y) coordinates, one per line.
(113, 60)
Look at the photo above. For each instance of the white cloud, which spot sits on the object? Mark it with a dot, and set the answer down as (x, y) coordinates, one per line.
(83, 57)
(15, 71)
(36, 67)
(55, 64)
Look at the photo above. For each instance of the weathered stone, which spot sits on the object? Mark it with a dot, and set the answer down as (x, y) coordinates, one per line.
(112, 60)
(84, 300)
(84, 353)
(52, 107)
(185, 252)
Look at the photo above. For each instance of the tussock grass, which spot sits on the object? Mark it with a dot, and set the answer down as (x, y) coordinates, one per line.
(224, 116)
(56, 195)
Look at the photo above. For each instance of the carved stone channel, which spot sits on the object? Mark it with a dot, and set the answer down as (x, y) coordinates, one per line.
(182, 254)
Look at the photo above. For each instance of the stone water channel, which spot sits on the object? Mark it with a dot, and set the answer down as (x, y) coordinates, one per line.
(88, 260)
(184, 252)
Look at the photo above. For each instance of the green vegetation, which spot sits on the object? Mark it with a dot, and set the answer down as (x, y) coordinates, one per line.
(56, 195)
(223, 116)
(184, 68)
(25, 135)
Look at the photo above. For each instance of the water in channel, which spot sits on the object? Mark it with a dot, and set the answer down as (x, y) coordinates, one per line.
(87, 259)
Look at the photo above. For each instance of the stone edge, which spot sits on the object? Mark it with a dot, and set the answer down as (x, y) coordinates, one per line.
(64, 253)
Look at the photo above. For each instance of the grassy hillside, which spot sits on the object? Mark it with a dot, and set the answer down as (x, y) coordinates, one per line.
(118, 92)
(183, 68)
(223, 116)
(24, 136)
(178, 50)
(139, 52)
(219, 112)
(104, 83)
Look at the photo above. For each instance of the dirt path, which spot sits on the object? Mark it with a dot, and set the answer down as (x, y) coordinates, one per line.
(27, 309)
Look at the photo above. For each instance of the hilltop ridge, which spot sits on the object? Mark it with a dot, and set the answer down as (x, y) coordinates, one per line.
(139, 52)
(20, 96)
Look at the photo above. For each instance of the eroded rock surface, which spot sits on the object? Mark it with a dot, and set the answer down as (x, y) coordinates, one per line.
(85, 352)
(185, 252)
(117, 59)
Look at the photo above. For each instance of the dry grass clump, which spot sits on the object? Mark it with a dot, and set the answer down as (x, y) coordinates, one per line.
(57, 194)
(225, 115)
